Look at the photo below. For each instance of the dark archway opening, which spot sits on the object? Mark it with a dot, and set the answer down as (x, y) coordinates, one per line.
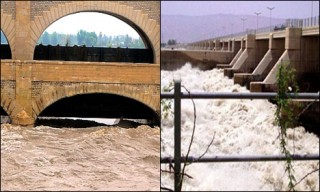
(93, 54)
(4, 117)
(97, 105)
(5, 52)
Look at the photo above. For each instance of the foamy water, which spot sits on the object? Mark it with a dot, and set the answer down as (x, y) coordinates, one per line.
(98, 158)
(241, 127)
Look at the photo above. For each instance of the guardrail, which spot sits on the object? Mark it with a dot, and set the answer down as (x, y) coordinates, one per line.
(301, 23)
(178, 159)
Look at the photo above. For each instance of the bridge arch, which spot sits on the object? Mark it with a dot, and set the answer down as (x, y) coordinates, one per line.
(8, 28)
(147, 28)
(3, 112)
(52, 96)
(7, 106)
(6, 52)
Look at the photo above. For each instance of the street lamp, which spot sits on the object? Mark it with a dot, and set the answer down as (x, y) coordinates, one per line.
(232, 29)
(223, 30)
(270, 8)
(311, 13)
(257, 19)
(243, 20)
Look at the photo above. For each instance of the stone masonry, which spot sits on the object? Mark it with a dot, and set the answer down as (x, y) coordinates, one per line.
(28, 86)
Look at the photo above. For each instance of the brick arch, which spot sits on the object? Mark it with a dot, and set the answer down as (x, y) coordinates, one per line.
(147, 26)
(8, 28)
(54, 94)
(8, 105)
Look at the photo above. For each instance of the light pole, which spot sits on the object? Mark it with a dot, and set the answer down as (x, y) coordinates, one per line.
(257, 13)
(243, 20)
(311, 13)
(270, 8)
(232, 29)
(223, 30)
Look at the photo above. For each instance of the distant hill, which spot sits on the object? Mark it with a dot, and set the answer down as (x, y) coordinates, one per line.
(187, 29)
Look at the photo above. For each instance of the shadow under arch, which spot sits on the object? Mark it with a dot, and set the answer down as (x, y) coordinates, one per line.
(5, 118)
(100, 105)
(146, 55)
(3, 112)
(5, 47)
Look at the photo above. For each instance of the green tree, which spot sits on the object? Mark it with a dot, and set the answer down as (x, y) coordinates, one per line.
(73, 40)
(45, 38)
(116, 41)
(127, 41)
(172, 42)
(81, 36)
(285, 114)
(100, 39)
(91, 39)
(54, 38)
(62, 39)
(138, 43)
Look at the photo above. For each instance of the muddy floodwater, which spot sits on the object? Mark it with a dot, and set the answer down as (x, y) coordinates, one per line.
(98, 158)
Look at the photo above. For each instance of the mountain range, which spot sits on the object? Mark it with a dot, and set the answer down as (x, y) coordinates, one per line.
(186, 29)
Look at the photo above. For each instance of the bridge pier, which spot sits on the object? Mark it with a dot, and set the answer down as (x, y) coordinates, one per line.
(276, 48)
(210, 45)
(290, 57)
(246, 56)
(23, 111)
(248, 60)
(217, 45)
(22, 36)
(230, 44)
(236, 57)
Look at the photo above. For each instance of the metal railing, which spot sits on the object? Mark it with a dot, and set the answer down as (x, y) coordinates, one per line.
(300, 23)
(178, 159)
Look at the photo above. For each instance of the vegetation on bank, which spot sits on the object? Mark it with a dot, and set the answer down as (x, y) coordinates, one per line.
(89, 39)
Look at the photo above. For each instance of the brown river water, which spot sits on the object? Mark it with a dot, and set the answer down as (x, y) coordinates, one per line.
(104, 158)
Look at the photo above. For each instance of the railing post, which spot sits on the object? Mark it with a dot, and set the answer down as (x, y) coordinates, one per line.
(177, 135)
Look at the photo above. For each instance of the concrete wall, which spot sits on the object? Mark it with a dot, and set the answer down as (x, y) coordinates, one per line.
(174, 59)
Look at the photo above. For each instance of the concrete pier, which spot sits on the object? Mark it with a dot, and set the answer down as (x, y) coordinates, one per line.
(254, 51)
(236, 57)
(276, 48)
(252, 60)
(290, 57)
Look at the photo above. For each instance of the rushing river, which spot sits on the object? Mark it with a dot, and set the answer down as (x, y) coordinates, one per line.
(241, 127)
(101, 158)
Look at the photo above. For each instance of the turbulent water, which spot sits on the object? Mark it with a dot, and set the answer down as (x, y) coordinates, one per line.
(241, 127)
(98, 158)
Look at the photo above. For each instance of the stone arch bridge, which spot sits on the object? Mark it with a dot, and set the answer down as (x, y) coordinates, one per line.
(28, 86)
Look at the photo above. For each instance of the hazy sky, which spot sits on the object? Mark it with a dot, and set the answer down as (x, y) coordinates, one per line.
(283, 9)
(92, 21)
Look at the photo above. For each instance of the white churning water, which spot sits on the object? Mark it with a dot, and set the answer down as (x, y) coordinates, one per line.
(241, 127)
